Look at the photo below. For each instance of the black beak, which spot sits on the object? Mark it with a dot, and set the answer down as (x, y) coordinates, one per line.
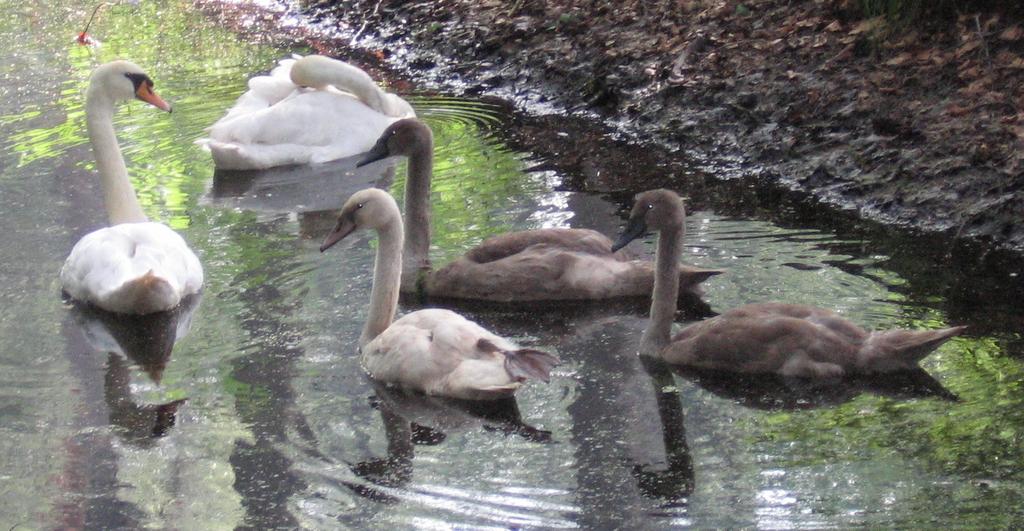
(635, 228)
(342, 229)
(377, 152)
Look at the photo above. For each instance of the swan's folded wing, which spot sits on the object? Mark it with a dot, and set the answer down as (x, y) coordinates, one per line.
(505, 245)
(318, 119)
(437, 352)
(264, 91)
(104, 262)
(541, 272)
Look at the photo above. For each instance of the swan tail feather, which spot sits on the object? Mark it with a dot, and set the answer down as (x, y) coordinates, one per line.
(689, 275)
(526, 363)
(149, 293)
(903, 349)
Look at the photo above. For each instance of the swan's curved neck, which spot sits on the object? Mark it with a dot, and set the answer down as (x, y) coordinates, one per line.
(349, 78)
(386, 277)
(118, 195)
(666, 289)
(416, 257)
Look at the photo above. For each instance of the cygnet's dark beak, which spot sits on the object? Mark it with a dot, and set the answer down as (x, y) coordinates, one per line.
(635, 228)
(342, 229)
(377, 152)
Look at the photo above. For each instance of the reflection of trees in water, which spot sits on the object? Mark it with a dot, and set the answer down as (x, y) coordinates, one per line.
(270, 297)
(773, 392)
(299, 189)
(261, 383)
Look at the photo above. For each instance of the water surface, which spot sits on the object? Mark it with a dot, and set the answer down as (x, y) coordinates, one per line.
(260, 416)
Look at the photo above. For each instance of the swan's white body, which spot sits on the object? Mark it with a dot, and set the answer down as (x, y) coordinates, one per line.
(307, 111)
(133, 266)
(434, 351)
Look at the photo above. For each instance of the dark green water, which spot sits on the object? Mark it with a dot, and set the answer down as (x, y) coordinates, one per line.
(279, 428)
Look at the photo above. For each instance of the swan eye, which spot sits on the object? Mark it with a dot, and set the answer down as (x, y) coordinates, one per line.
(139, 79)
(359, 205)
(650, 206)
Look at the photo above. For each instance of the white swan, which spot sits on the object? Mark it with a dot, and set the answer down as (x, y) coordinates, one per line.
(785, 339)
(133, 266)
(555, 264)
(310, 110)
(434, 351)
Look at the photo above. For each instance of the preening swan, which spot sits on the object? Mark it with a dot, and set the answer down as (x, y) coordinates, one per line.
(434, 351)
(133, 266)
(786, 339)
(311, 110)
(556, 264)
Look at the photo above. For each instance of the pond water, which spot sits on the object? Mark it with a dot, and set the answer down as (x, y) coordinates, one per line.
(261, 417)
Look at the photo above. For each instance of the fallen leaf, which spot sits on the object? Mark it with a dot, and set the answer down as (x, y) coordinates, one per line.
(976, 88)
(1011, 34)
(808, 23)
(941, 59)
(834, 26)
(900, 59)
(867, 25)
(967, 48)
(956, 110)
(992, 21)
(908, 39)
(970, 73)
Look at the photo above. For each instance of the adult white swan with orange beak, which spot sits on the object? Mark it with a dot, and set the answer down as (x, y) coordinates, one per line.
(134, 266)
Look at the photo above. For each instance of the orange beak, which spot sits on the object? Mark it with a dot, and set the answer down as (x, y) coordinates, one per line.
(146, 94)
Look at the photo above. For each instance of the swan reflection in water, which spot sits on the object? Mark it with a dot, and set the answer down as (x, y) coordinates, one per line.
(630, 447)
(628, 418)
(413, 419)
(143, 340)
(773, 392)
(299, 189)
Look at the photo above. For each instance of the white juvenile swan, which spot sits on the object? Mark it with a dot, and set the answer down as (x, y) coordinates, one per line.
(311, 110)
(786, 339)
(556, 264)
(434, 351)
(135, 265)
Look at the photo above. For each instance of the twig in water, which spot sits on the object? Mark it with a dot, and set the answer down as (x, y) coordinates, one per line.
(83, 37)
(981, 35)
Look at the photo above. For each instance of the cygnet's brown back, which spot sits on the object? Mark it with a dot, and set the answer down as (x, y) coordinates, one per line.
(799, 340)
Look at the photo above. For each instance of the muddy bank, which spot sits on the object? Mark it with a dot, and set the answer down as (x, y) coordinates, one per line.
(921, 131)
